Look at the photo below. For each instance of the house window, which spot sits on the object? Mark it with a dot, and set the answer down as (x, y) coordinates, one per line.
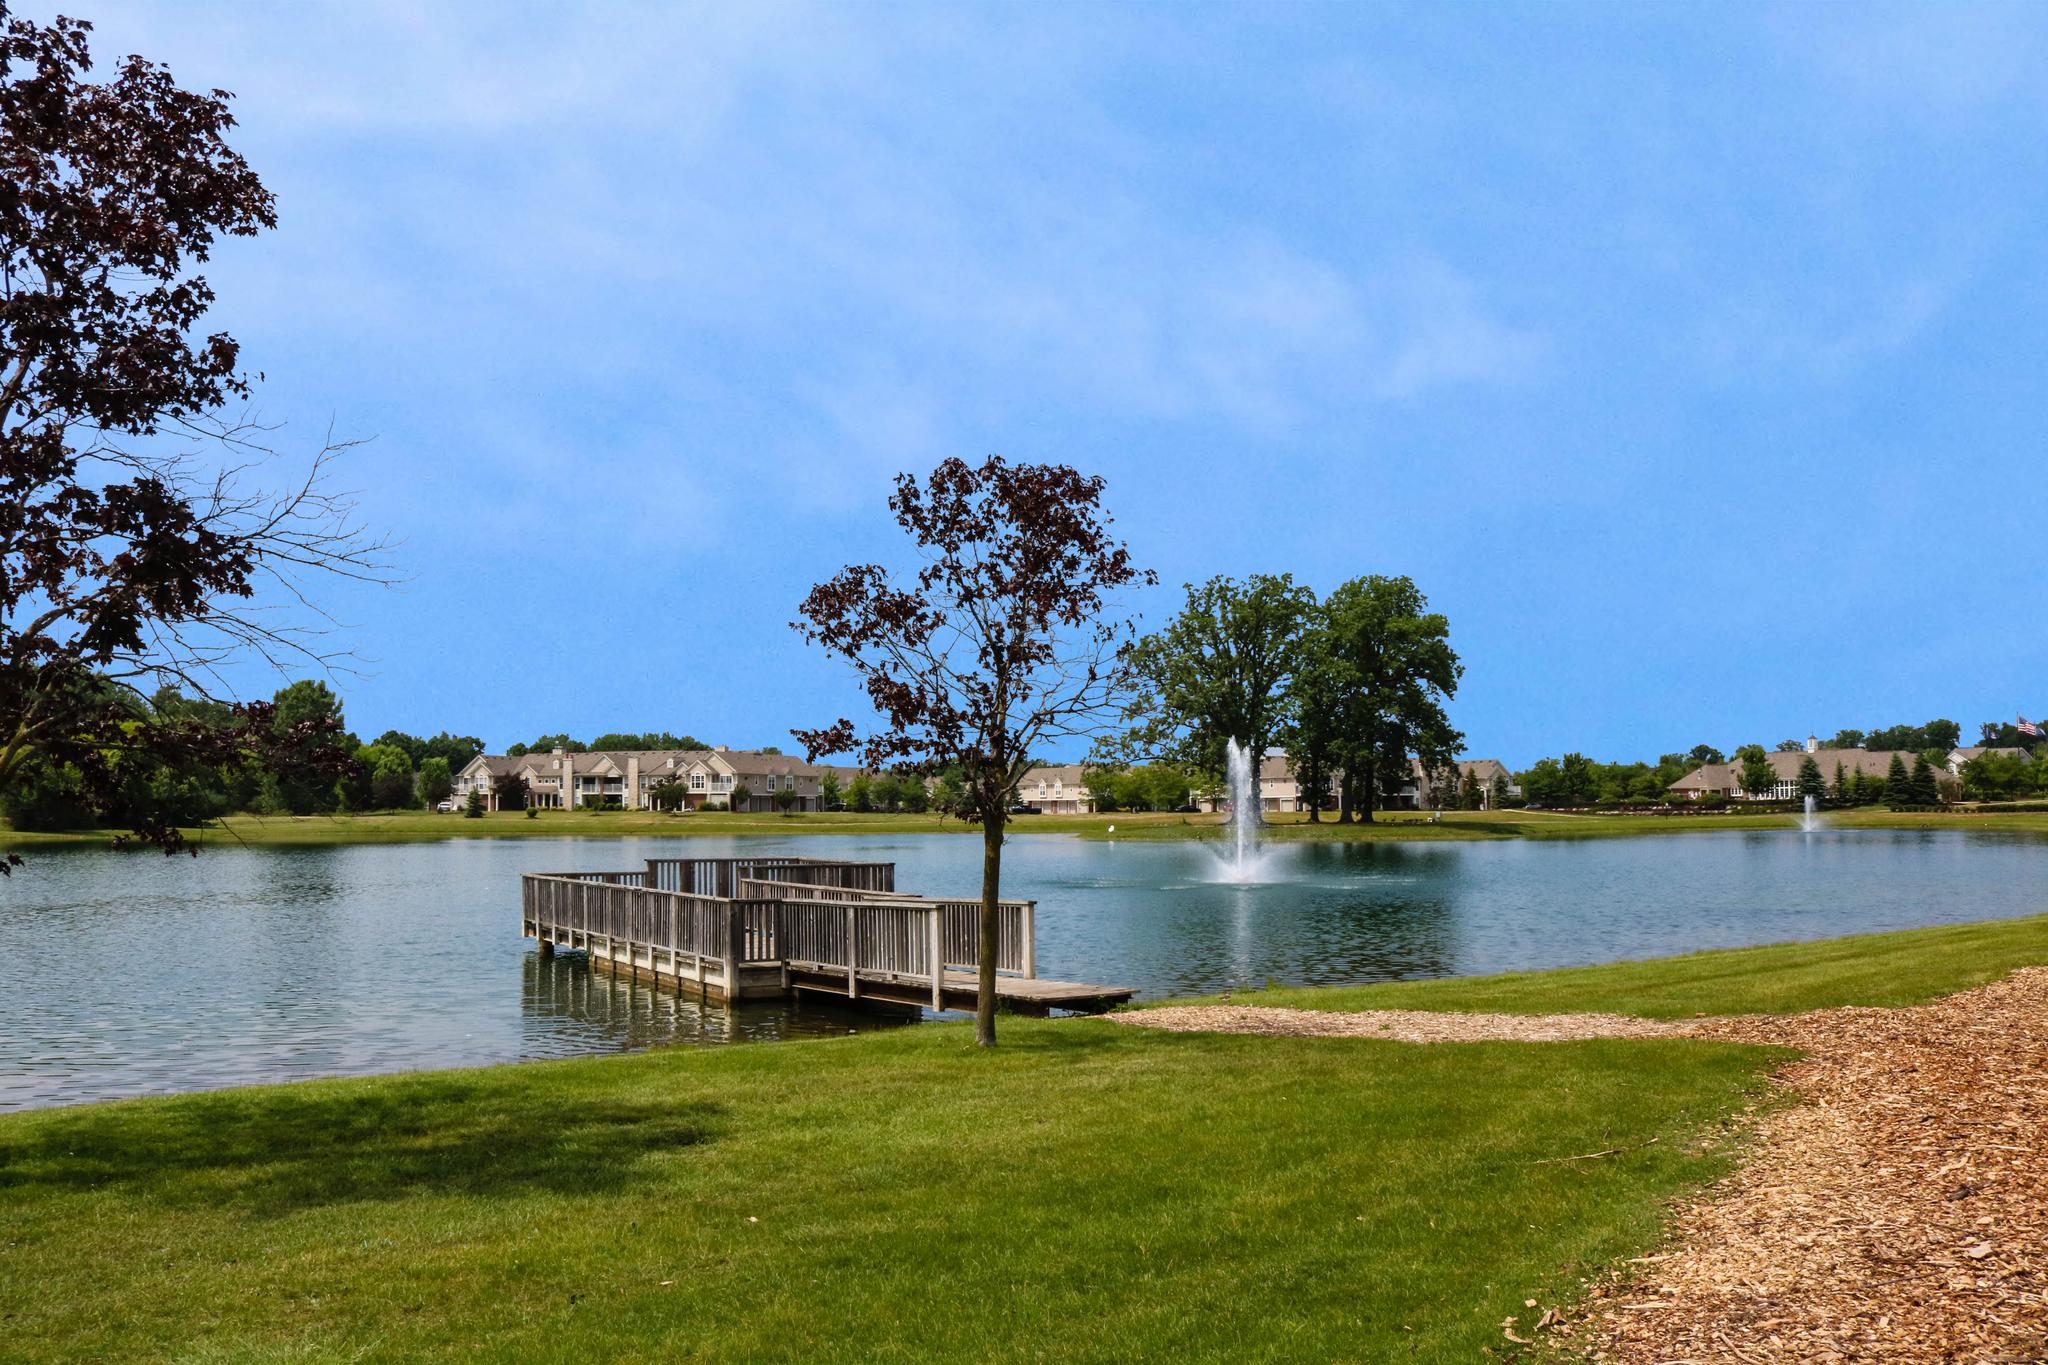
(696, 782)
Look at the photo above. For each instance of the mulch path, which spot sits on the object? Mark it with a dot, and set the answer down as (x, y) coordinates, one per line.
(1898, 1213)
(1401, 1026)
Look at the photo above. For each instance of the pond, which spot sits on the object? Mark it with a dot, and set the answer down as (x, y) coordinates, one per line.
(135, 974)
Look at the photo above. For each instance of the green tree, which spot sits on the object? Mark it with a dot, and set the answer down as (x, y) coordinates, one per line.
(1397, 671)
(457, 751)
(1846, 739)
(829, 795)
(391, 777)
(1898, 784)
(1577, 785)
(1811, 783)
(436, 781)
(1219, 671)
(668, 795)
(1314, 733)
(786, 799)
(310, 747)
(1756, 776)
(860, 793)
(1471, 791)
(473, 804)
(1840, 790)
(1497, 797)
(1921, 786)
(741, 794)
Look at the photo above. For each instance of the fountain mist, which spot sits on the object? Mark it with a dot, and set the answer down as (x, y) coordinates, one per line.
(1246, 859)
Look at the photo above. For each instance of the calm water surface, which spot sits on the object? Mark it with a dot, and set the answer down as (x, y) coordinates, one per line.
(134, 974)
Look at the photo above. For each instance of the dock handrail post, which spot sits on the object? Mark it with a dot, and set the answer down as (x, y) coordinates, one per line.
(1030, 939)
(852, 956)
(653, 875)
(735, 944)
(938, 942)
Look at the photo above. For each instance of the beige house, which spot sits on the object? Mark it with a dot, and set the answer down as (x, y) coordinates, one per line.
(558, 780)
(1725, 779)
(1056, 791)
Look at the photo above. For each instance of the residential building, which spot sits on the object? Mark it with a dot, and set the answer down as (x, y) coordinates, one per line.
(1061, 790)
(1725, 779)
(561, 780)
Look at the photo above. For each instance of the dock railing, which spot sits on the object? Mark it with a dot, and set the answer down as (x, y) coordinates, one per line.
(721, 876)
(1016, 952)
(807, 926)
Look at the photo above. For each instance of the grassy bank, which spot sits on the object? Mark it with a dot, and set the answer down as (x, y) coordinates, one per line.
(1901, 968)
(420, 826)
(1088, 1192)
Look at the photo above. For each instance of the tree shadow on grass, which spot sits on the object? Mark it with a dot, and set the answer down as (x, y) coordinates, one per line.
(280, 1150)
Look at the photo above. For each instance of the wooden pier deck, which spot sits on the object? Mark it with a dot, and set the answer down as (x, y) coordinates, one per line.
(737, 929)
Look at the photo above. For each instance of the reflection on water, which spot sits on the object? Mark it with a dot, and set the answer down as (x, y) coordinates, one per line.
(569, 1010)
(134, 974)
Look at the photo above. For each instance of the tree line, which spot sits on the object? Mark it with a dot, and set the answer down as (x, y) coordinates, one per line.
(290, 756)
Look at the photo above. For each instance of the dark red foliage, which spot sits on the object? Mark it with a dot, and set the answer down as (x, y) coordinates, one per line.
(996, 644)
(120, 559)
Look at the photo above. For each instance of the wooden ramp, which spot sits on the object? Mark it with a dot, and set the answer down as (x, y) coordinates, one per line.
(739, 929)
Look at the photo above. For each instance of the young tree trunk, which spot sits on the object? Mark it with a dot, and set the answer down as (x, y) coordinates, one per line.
(1344, 789)
(985, 961)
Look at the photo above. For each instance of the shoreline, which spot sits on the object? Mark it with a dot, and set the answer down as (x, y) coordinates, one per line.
(1389, 826)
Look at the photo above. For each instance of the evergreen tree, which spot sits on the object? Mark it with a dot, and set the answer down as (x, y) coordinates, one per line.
(1811, 783)
(1498, 796)
(1840, 790)
(1921, 786)
(1898, 784)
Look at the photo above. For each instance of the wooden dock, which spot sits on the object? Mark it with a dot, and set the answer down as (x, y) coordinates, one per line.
(739, 929)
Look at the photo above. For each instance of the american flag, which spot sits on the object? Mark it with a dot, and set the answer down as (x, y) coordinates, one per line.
(2028, 727)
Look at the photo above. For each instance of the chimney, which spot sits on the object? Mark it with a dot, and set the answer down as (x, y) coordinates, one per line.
(718, 748)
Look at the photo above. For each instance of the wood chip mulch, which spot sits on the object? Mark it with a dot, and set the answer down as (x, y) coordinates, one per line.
(1897, 1213)
(1401, 1026)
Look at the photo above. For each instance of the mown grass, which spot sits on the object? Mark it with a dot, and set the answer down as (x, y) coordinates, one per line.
(1890, 969)
(1086, 1193)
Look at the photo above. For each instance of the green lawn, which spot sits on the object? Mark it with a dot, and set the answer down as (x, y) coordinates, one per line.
(1901, 968)
(1087, 1192)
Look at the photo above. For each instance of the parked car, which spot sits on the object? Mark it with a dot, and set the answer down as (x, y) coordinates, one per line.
(1021, 809)
(446, 807)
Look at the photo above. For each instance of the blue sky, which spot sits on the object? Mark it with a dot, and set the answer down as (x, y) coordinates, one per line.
(1690, 358)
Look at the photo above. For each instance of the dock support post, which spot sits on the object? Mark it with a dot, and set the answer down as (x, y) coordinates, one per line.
(938, 948)
(1030, 939)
